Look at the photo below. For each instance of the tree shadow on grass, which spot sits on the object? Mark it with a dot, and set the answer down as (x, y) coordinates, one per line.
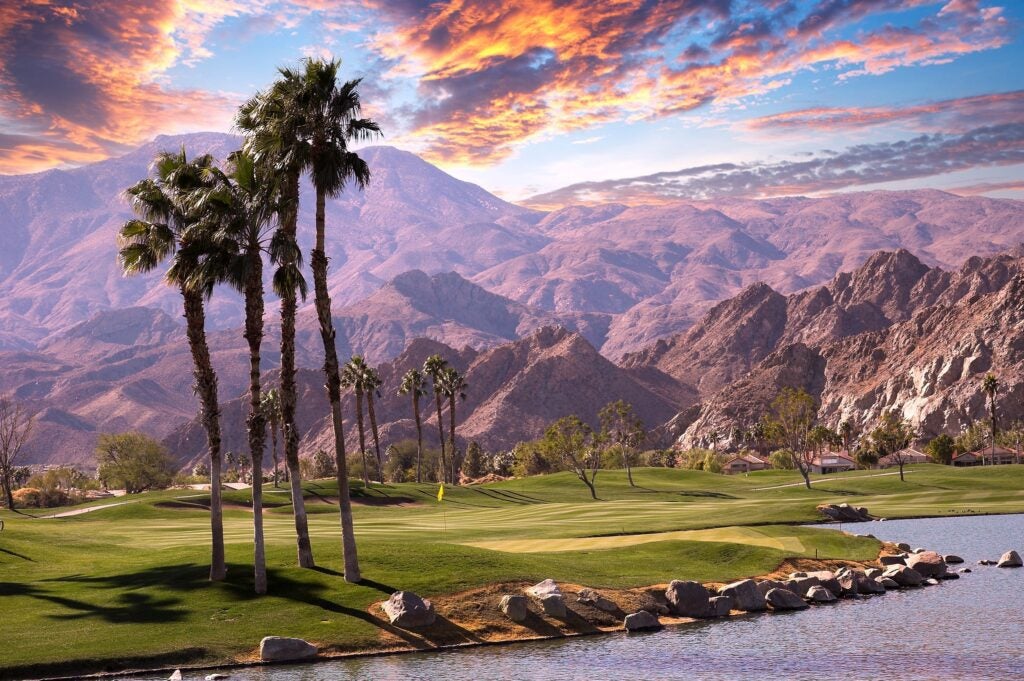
(16, 554)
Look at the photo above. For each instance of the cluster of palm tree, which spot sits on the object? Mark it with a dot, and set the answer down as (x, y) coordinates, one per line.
(216, 225)
(449, 386)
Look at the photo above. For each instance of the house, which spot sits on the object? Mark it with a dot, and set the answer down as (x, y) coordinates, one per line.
(1000, 456)
(966, 459)
(744, 463)
(832, 462)
(908, 455)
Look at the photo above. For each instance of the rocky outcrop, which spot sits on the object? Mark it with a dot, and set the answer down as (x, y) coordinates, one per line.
(406, 609)
(720, 606)
(282, 649)
(819, 594)
(514, 607)
(549, 595)
(844, 513)
(641, 621)
(903, 576)
(596, 600)
(1010, 559)
(784, 599)
(688, 599)
(745, 595)
(927, 564)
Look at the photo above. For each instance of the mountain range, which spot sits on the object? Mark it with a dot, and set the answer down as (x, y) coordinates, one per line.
(668, 306)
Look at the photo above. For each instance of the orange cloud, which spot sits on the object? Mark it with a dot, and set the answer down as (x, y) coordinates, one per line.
(82, 81)
(494, 75)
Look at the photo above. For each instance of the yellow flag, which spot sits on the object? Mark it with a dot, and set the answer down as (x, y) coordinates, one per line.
(440, 492)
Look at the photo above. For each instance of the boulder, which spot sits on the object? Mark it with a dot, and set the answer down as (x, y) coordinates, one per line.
(514, 607)
(873, 573)
(893, 559)
(985, 561)
(596, 600)
(281, 649)
(175, 675)
(847, 582)
(802, 585)
(767, 585)
(931, 581)
(554, 605)
(903, 546)
(720, 606)
(903, 576)
(546, 588)
(965, 571)
(827, 579)
(406, 609)
(887, 582)
(927, 563)
(215, 677)
(1010, 559)
(688, 599)
(844, 513)
(745, 595)
(867, 585)
(949, 575)
(819, 594)
(641, 621)
(952, 559)
(784, 599)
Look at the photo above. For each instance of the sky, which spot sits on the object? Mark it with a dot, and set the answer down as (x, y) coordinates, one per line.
(553, 102)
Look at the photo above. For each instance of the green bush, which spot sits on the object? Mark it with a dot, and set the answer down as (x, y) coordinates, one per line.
(782, 459)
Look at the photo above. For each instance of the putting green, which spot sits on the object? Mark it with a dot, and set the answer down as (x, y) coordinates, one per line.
(726, 535)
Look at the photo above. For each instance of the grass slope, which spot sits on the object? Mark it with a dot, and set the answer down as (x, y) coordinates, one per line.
(127, 585)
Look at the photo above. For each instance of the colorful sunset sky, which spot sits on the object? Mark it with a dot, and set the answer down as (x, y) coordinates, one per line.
(555, 101)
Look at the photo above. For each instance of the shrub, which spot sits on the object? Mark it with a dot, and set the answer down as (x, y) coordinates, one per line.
(941, 449)
(134, 462)
(33, 497)
(474, 465)
(782, 459)
(693, 459)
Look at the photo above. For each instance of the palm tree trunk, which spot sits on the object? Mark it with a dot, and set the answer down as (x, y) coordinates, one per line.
(256, 422)
(992, 410)
(362, 435)
(332, 371)
(419, 436)
(273, 450)
(206, 388)
(440, 435)
(375, 433)
(451, 429)
(289, 396)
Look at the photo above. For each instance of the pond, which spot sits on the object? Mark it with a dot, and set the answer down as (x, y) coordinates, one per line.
(971, 628)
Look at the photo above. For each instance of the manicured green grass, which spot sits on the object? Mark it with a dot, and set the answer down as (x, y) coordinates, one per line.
(127, 584)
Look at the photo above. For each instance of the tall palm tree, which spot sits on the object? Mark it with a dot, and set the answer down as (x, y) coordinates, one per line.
(166, 228)
(453, 385)
(271, 405)
(236, 212)
(354, 376)
(990, 384)
(412, 385)
(433, 367)
(273, 138)
(371, 386)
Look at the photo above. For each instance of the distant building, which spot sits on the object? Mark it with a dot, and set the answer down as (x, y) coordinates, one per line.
(985, 456)
(909, 456)
(744, 463)
(832, 462)
(966, 459)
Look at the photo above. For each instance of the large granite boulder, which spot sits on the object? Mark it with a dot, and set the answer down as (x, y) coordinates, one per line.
(282, 649)
(819, 594)
(893, 559)
(827, 579)
(952, 559)
(406, 609)
(596, 600)
(641, 621)
(550, 597)
(844, 513)
(927, 563)
(1010, 559)
(867, 585)
(887, 583)
(546, 588)
(720, 606)
(847, 579)
(745, 595)
(767, 585)
(903, 576)
(784, 599)
(515, 607)
(688, 599)
(801, 585)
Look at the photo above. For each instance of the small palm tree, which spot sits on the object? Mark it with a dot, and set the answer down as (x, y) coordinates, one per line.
(167, 227)
(990, 384)
(433, 367)
(271, 405)
(353, 376)
(412, 385)
(371, 387)
(453, 385)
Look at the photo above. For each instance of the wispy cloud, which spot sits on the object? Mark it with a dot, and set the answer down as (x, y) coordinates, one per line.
(866, 164)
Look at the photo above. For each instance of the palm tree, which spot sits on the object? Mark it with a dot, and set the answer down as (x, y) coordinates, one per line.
(236, 211)
(433, 367)
(453, 385)
(165, 228)
(273, 139)
(371, 387)
(354, 376)
(412, 384)
(990, 384)
(271, 405)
